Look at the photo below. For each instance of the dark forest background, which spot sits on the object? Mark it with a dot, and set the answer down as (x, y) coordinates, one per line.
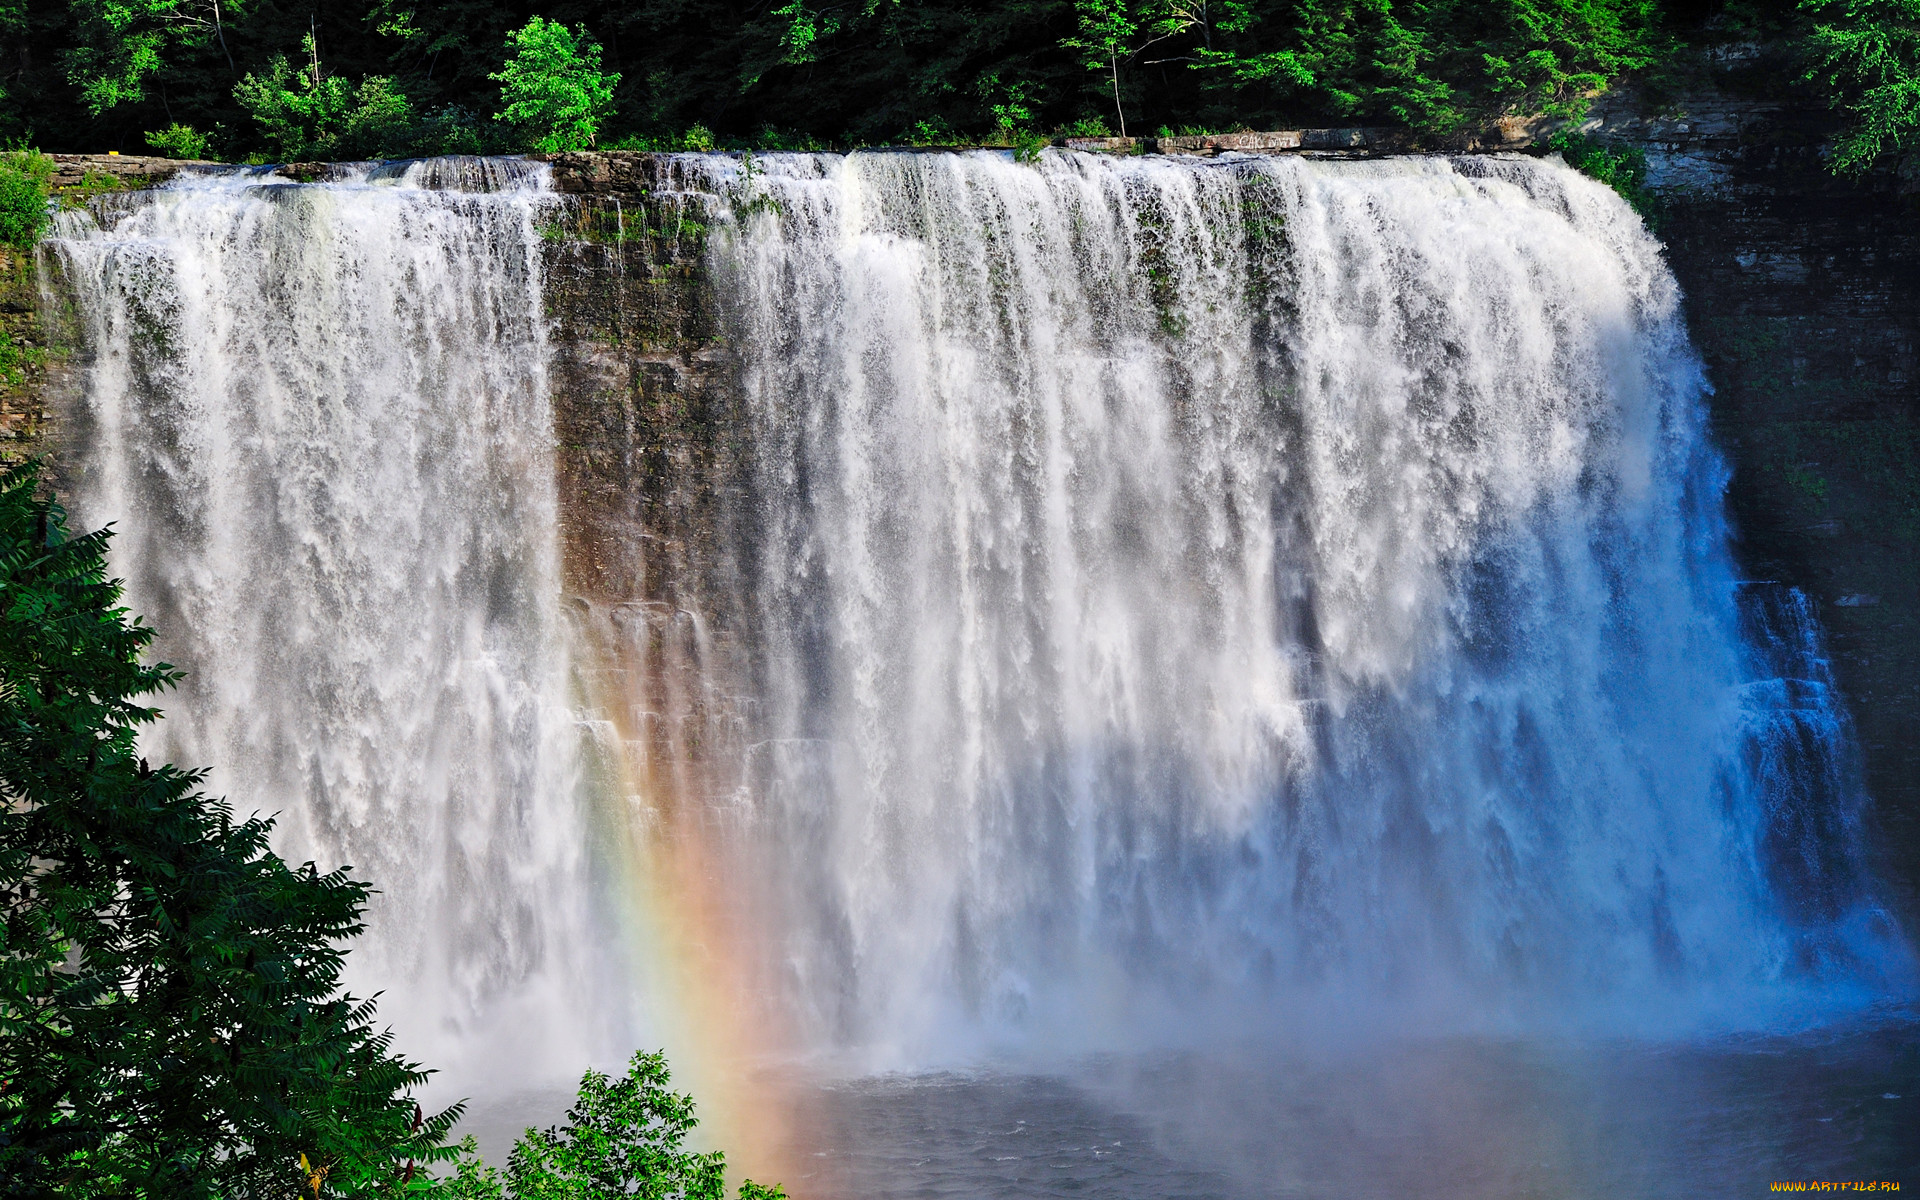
(421, 75)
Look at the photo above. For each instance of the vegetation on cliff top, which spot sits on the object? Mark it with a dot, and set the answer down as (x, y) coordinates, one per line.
(1866, 54)
(234, 78)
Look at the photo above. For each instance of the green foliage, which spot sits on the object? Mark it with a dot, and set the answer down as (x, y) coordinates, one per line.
(1866, 54)
(623, 1137)
(452, 129)
(1012, 105)
(1116, 31)
(700, 139)
(170, 1023)
(1807, 481)
(428, 76)
(11, 355)
(1622, 168)
(1108, 32)
(472, 1178)
(640, 72)
(310, 115)
(1088, 127)
(24, 176)
(554, 93)
(122, 44)
(1027, 145)
(112, 66)
(769, 138)
(930, 133)
(804, 29)
(1438, 66)
(179, 141)
(1558, 52)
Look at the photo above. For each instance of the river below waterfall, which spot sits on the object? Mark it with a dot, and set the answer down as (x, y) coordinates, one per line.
(1155, 612)
(1471, 1119)
(1467, 1119)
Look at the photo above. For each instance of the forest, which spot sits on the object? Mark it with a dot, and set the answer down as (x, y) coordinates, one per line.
(273, 81)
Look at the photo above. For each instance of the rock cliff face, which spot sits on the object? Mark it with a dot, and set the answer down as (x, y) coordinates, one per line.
(651, 435)
(23, 355)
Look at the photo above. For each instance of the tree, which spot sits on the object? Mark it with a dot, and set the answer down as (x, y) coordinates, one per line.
(310, 115)
(170, 1017)
(179, 141)
(122, 43)
(554, 93)
(1115, 30)
(623, 1137)
(1438, 66)
(1867, 55)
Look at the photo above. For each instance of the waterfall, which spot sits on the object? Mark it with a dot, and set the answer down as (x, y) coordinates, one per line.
(1163, 598)
(1253, 589)
(319, 418)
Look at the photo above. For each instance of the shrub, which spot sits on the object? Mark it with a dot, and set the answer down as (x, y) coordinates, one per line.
(1622, 168)
(935, 132)
(623, 1137)
(179, 141)
(1866, 55)
(310, 115)
(24, 178)
(452, 129)
(553, 91)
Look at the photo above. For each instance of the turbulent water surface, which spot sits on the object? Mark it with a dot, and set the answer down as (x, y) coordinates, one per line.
(1261, 602)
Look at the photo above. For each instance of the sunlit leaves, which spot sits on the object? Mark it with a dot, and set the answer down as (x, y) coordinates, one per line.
(623, 1137)
(122, 43)
(1437, 66)
(1867, 54)
(310, 115)
(552, 90)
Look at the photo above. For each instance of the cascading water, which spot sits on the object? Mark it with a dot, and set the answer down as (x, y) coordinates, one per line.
(1259, 582)
(1167, 600)
(319, 417)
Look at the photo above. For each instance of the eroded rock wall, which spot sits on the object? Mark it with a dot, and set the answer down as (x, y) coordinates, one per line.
(652, 439)
(38, 370)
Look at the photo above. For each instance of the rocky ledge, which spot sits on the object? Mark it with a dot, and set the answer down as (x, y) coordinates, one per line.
(637, 172)
(76, 172)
